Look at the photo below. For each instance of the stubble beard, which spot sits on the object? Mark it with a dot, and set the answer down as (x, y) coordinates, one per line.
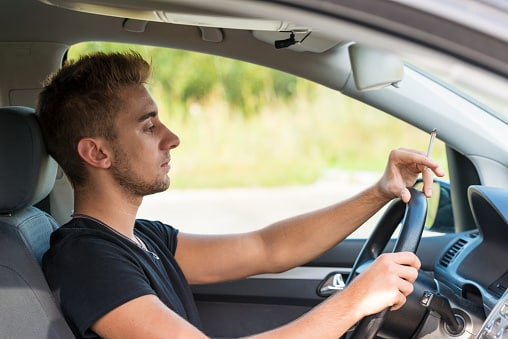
(132, 183)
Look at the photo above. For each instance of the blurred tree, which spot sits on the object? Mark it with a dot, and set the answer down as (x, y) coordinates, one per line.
(185, 78)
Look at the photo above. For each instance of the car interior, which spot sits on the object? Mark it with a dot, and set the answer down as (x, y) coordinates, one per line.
(380, 53)
(28, 307)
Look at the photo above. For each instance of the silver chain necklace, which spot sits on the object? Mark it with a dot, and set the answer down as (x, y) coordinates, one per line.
(138, 242)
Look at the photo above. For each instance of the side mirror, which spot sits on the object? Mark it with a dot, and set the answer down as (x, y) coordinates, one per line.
(440, 213)
(374, 68)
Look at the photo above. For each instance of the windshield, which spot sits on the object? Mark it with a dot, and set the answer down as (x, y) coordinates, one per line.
(259, 145)
(486, 91)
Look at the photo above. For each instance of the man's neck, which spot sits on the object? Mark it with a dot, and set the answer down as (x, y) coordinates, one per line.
(111, 207)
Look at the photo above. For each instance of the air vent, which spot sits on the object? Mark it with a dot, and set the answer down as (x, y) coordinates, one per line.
(452, 252)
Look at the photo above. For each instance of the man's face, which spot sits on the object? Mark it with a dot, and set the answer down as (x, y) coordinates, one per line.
(141, 159)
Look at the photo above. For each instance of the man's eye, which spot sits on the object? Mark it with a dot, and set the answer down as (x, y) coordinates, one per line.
(151, 128)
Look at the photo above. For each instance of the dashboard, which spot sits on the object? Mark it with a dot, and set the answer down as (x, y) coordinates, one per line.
(474, 267)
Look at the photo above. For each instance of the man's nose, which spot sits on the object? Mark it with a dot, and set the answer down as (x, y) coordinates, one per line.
(170, 139)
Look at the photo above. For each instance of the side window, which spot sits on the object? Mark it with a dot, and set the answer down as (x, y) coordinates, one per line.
(440, 214)
(258, 145)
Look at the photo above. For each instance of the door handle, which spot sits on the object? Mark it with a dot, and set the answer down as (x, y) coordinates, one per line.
(332, 283)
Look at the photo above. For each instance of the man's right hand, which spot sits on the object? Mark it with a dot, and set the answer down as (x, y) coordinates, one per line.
(385, 283)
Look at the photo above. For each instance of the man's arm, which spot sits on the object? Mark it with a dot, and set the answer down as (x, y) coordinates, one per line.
(144, 317)
(385, 283)
(295, 241)
(276, 248)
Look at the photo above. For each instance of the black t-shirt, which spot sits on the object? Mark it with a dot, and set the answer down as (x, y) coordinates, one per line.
(93, 270)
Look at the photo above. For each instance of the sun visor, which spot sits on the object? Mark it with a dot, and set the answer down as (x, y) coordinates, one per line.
(374, 68)
(174, 12)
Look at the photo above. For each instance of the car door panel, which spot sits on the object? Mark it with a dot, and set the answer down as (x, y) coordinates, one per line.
(266, 301)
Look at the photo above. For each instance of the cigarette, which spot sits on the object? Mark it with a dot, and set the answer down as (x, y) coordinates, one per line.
(431, 142)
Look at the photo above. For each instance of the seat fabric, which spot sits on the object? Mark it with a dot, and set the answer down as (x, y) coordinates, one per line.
(27, 174)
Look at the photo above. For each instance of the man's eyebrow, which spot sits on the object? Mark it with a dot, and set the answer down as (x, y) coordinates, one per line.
(147, 116)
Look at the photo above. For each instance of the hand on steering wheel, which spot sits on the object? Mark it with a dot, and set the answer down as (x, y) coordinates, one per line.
(414, 214)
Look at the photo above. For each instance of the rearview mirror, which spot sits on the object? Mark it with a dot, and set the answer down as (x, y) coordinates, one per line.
(374, 68)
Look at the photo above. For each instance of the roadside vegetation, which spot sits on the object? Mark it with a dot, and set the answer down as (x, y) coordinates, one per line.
(246, 125)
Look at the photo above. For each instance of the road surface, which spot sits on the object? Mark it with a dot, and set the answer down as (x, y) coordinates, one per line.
(236, 210)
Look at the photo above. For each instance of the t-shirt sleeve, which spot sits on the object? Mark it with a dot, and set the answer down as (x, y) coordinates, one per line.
(112, 276)
(166, 233)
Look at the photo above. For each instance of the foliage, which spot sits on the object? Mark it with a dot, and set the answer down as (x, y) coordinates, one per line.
(186, 78)
(246, 125)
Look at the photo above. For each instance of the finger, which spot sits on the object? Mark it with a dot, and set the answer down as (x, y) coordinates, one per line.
(405, 258)
(420, 160)
(427, 164)
(405, 287)
(401, 300)
(433, 167)
(428, 179)
(405, 195)
(411, 151)
(409, 274)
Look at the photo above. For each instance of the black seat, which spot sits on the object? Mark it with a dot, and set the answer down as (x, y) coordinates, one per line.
(27, 174)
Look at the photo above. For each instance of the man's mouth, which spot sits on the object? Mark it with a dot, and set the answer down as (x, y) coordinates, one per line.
(166, 164)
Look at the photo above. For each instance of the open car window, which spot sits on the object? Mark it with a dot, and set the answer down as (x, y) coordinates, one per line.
(258, 145)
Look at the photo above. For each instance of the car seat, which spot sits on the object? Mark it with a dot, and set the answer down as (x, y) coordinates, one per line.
(27, 174)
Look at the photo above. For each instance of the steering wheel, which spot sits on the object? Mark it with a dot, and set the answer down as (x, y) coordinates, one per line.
(414, 215)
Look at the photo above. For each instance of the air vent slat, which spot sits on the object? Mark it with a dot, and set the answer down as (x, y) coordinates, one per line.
(452, 252)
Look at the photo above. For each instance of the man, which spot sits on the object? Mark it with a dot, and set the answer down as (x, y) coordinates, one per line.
(119, 277)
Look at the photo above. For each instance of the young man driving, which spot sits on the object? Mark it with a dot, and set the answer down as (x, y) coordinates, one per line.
(119, 277)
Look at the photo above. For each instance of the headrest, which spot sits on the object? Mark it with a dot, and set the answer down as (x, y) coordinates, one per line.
(27, 172)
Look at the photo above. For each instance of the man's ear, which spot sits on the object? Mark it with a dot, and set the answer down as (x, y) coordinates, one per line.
(94, 152)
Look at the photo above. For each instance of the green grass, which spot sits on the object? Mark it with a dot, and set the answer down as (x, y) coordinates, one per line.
(286, 143)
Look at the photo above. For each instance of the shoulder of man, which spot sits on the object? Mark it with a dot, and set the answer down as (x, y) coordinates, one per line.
(159, 231)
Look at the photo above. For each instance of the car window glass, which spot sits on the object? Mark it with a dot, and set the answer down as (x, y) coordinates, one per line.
(258, 145)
